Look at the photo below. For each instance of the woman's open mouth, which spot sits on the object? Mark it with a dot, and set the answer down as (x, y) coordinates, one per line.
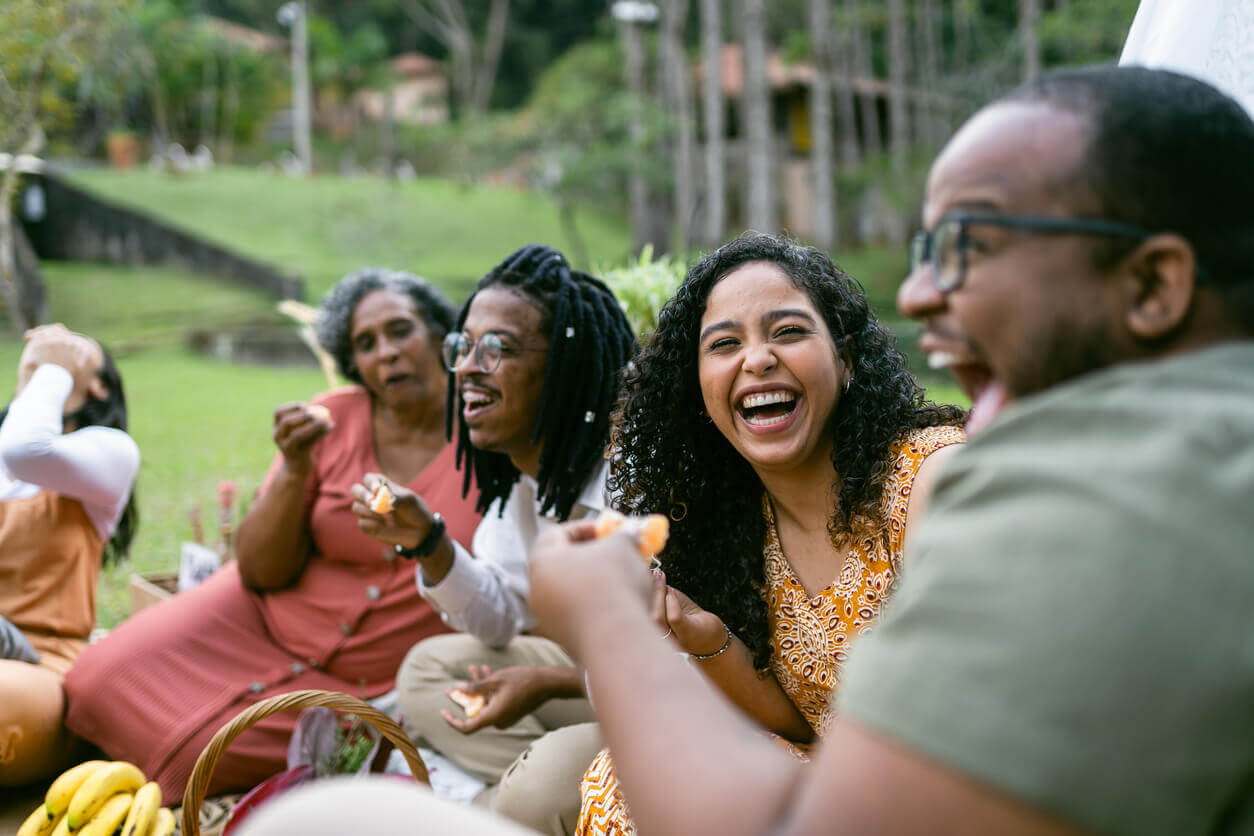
(768, 411)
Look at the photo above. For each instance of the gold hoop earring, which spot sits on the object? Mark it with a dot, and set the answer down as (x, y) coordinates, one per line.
(678, 517)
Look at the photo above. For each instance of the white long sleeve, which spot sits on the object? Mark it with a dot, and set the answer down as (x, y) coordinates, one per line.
(485, 594)
(95, 465)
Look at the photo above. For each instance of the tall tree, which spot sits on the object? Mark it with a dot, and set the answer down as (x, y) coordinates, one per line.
(679, 105)
(898, 95)
(756, 111)
(929, 71)
(963, 17)
(715, 215)
(822, 150)
(860, 37)
(846, 101)
(638, 206)
(474, 59)
(1029, 16)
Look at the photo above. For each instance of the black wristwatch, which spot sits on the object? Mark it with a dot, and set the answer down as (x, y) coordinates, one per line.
(429, 543)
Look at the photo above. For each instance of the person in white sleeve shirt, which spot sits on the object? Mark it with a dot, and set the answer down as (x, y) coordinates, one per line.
(67, 505)
(535, 363)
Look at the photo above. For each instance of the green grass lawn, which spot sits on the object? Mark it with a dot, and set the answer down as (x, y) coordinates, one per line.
(323, 227)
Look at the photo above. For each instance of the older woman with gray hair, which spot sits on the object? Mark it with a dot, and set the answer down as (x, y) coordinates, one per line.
(311, 602)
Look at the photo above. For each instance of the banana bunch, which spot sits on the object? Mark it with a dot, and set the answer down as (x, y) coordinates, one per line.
(96, 798)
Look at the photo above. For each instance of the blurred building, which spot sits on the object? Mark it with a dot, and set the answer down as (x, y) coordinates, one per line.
(420, 94)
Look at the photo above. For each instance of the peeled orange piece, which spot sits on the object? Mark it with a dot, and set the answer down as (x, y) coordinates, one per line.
(382, 501)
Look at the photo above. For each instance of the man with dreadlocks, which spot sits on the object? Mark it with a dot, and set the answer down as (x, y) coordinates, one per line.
(535, 361)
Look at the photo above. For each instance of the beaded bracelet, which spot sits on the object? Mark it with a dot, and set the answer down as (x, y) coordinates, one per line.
(703, 656)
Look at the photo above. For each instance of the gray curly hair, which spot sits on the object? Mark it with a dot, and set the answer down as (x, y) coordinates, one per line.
(335, 314)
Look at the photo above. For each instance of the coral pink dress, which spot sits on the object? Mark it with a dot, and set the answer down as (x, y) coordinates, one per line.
(158, 687)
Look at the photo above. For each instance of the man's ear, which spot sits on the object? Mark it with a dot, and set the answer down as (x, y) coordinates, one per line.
(1163, 277)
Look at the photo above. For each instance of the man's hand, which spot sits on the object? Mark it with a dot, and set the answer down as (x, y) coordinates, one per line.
(576, 577)
(511, 694)
(407, 524)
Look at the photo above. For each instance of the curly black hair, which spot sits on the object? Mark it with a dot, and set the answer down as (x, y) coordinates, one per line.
(335, 320)
(670, 458)
(590, 340)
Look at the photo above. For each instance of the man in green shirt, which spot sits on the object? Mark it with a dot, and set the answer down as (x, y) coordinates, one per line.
(1072, 646)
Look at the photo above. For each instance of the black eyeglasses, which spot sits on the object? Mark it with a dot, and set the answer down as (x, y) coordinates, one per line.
(488, 351)
(945, 247)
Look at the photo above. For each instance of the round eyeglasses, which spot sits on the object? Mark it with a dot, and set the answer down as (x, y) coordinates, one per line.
(488, 351)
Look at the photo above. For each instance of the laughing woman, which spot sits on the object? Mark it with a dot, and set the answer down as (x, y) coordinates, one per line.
(772, 416)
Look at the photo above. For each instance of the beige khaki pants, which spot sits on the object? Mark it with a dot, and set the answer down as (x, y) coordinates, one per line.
(533, 768)
(340, 806)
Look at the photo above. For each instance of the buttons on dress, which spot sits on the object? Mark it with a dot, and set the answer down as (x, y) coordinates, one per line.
(388, 555)
(313, 663)
(298, 668)
(257, 686)
(346, 628)
(373, 593)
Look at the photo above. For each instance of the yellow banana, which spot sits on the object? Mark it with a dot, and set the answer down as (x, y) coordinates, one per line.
(62, 828)
(109, 780)
(57, 799)
(110, 816)
(164, 825)
(39, 823)
(143, 810)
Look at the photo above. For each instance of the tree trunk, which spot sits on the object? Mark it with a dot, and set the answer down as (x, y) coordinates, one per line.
(756, 110)
(493, 44)
(822, 150)
(387, 136)
(1029, 14)
(962, 35)
(860, 36)
(679, 105)
(637, 186)
(712, 105)
(930, 121)
(898, 73)
(847, 102)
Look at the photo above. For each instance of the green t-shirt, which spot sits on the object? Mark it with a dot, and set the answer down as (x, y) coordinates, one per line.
(1076, 624)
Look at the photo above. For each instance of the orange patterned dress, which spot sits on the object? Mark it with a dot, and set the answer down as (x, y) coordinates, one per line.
(810, 637)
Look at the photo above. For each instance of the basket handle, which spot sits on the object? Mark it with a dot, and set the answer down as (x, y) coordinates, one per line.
(198, 783)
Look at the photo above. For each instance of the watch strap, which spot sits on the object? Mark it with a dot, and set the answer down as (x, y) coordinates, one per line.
(429, 543)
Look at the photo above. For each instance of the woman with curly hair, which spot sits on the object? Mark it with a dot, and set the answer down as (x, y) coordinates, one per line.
(773, 418)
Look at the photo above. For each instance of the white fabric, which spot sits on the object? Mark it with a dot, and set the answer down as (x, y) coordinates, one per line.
(1209, 39)
(485, 594)
(95, 465)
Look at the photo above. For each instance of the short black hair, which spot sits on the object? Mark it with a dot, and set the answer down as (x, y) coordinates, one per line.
(335, 321)
(590, 341)
(1168, 153)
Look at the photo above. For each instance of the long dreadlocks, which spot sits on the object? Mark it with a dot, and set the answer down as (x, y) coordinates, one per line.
(590, 341)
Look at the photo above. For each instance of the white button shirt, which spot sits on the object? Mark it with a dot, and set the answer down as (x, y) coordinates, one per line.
(485, 594)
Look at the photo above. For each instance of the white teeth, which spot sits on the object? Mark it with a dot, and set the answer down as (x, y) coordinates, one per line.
(766, 398)
(766, 422)
(475, 398)
(941, 359)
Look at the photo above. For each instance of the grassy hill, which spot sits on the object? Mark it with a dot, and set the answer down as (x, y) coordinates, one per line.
(323, 227)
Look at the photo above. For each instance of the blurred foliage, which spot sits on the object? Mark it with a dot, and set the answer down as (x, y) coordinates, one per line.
(56, 55)
(644, 286)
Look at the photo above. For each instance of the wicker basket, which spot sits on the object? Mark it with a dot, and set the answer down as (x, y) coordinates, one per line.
(198, 783)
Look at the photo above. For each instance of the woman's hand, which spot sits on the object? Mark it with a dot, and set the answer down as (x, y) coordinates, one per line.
(58, 345)
(511, 694)
(694, 629)
(406, 525)
(297, 426)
